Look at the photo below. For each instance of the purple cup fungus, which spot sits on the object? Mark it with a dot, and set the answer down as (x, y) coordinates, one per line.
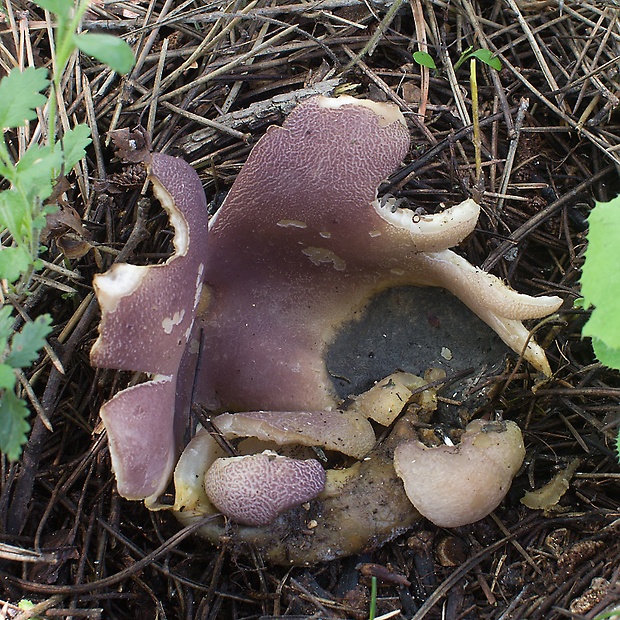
(147, 315)
(298, 249)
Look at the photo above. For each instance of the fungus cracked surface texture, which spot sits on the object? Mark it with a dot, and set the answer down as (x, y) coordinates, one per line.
(299, 247)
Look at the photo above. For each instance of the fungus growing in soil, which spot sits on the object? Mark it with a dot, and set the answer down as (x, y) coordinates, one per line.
(344, 431)
(254, 489)
(458, 485)
(147, 315)
(298, 249)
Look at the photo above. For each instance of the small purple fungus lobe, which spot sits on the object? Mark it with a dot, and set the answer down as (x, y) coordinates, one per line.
(255, 489)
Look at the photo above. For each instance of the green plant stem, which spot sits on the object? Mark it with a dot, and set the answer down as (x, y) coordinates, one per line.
(66, 44)
(463, 57)
(373, 599)
(51, 118)
(32, 241)
(65, 32)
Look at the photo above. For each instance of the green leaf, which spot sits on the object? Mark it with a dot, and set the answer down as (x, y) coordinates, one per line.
(16, 215)
(20, 95)
(14, 262)
(486, 56)
(74, 143)
(110, 50)
(13, 425)
(609, 356)
(424, 59)
(6, 171)
(483, 55)
(7, 377)
(600, 280)
(27, 343)
(6, 328)
(37, 169)
(62, 8)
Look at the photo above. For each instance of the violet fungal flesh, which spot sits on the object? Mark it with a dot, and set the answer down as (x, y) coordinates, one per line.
(294, 253)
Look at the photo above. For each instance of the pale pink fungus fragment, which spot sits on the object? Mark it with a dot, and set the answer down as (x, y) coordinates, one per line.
(458, 485)
(148, 310)
(344, 431)
(141, 437)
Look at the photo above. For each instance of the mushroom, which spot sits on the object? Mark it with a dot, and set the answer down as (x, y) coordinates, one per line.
(255, 489)
(147, 318)
(361, 505)
(385, 400)
(346, 431)
(298, 249)
(458, 485)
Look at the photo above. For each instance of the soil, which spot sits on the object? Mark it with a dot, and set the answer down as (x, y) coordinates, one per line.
(209, 80)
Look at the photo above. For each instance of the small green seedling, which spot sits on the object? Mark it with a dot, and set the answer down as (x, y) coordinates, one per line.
(424, 59)
(486, 57)
(483, 55)
(600, 284)
(30, 183)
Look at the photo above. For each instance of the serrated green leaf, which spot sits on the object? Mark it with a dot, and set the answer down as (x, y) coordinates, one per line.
(605, 354)
(74, 144)
(14, 262)
(27, 343)
(20, 95)
(7, 377)
(486, 56)
(424, 59)
(37, 169)
(39, 158)
(13, 425)
(110, 50)
(16, 215)
(62, 8)
(6, 328)
(600, 278)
